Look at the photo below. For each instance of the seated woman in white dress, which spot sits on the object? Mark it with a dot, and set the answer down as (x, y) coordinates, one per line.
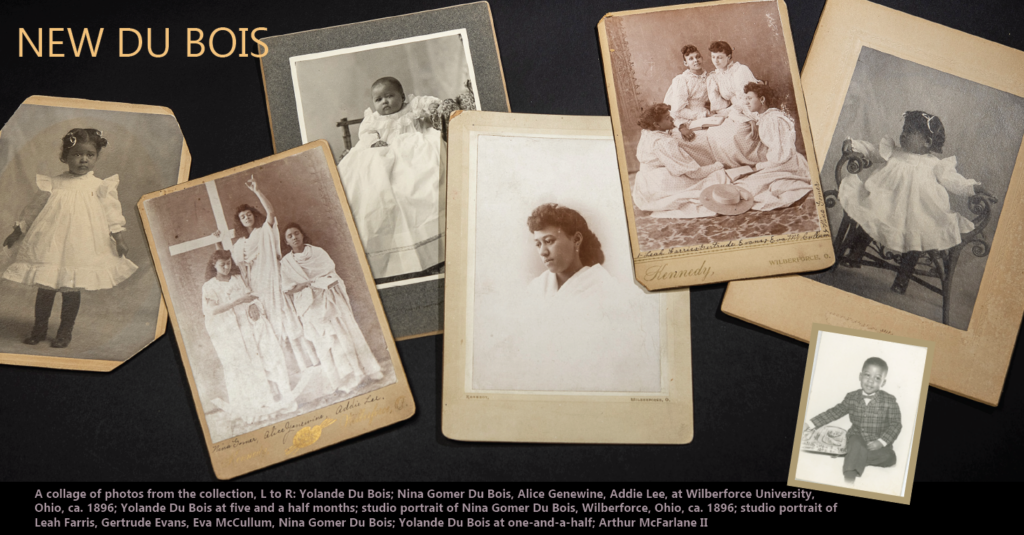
(393, 180)
(688, 94)
(671, 178)
(782, 176)
(733, 142)
(579, 329)
(308, 275)
(243, 340)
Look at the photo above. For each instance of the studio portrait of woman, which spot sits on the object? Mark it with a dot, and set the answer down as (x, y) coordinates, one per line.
(579, 328)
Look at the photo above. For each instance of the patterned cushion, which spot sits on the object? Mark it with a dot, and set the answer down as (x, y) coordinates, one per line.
(827, 439)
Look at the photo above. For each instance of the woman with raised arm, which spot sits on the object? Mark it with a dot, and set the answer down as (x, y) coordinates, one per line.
(258, 255)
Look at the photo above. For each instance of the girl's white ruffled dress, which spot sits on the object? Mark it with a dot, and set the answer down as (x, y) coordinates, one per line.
(68, 245)
(904, 204)
(395, 190)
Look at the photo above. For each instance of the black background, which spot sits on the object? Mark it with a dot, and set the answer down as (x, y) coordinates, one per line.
(138, 423)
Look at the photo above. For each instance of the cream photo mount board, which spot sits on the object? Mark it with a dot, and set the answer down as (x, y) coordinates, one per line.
(691, 221)
(318, 85)
(920, 66)
(282, 335)
(120, 309)
(534, 199)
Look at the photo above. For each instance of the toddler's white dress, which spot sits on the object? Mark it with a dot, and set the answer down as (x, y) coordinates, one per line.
(904, 204)
(68, 244)
(395, 190)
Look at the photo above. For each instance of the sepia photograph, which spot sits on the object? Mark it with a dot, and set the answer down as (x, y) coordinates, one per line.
(712, 145)
(380, 92)
(545, 311)
(268, 293)
(921, 174)
(384, 109)
(863, 442)
(78, 288)
(555, 304)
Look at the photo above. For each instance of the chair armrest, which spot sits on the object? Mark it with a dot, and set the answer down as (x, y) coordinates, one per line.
(854, 162)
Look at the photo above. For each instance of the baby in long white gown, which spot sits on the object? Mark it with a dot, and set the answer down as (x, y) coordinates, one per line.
(393, 179)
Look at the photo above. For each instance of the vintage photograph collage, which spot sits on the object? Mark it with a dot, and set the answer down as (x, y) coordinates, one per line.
(860, 205)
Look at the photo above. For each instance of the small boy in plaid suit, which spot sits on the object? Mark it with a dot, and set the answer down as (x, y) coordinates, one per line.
(876, 421)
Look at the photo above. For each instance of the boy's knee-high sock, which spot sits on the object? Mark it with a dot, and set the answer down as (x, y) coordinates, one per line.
(44, 304)
(68, 312)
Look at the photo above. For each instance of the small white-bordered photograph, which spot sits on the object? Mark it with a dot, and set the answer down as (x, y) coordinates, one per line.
(78, 288)
(544, 310)
(383, 109)
(271, 299)
(861, 412)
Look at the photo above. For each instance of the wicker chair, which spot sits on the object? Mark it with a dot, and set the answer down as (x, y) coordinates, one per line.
(934, 269)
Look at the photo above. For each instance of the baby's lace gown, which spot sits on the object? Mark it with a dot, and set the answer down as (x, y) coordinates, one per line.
(395, 190)
(68, 245)
(904, 204)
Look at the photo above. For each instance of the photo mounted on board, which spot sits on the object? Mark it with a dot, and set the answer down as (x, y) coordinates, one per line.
(78, 289)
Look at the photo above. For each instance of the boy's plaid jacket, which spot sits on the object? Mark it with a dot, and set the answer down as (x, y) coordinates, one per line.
(878, 419)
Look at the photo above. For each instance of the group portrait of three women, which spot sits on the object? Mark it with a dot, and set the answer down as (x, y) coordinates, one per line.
(274, 312)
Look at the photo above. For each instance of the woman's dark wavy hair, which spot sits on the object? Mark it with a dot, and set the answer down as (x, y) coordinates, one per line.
(928, 125)
(762, 89)
(81, 135)
(285, 249)
(570, 222)
(652, 114)
(689, 49)
(256, 214)
(220, 254)
(720, 47)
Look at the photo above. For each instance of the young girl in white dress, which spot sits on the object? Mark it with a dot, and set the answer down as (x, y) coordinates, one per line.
(73, 232)
(904, 203)
(393, 179)
(671, 175)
